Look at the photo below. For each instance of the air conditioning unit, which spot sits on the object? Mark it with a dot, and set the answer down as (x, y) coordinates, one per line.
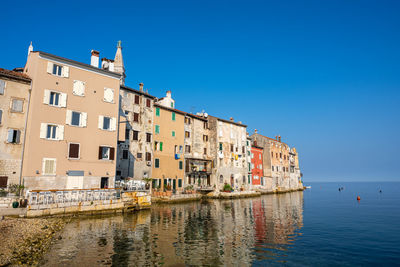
(148, 163)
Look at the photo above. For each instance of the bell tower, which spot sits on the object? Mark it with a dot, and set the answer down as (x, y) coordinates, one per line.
(119, 63)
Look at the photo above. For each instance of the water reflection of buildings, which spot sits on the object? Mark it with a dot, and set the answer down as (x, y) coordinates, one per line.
(228, 232)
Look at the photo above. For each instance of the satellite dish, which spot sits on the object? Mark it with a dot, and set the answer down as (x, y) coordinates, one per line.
(205, 115)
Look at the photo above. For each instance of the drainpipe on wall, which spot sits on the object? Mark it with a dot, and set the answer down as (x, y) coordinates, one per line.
(26, 125)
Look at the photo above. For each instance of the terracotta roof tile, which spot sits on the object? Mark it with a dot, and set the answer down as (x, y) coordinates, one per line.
(14, 74)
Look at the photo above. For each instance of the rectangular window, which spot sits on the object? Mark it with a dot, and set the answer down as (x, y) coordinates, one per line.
(127, 133)
(179, 182)
(259, 156)
(57, 70)
(76, 118)
(148, 137)
(3, 181)
(280, 155)
(124, 154)
(51, 132)
(106, 153)
(148, 103)
(187, 120)
(156, 163)
(106, 123)
(243, 149)
(135, 117)
(73, 151)
(187, 149)
(2, 87)
(172, 105)
(54, 99)
(187, 134)
(272, 168)
(220, 146)
(157, 129)
(78, 88)
(13, 136)
(231, 148)
(205, 125)
(173, 116)
(135, 136)
(1, 116)
(272, 154)
(139, 155)
(155, 145)
(16, 105)
(136, 99)
(158, 112)
(49, 166)
(173, 133)
(108, 95)
(205, 138)
(205, 151)
(148, 156)
(180, 165)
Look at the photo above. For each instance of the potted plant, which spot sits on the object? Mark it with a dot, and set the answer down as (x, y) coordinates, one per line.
(147, 180)
(227, 188)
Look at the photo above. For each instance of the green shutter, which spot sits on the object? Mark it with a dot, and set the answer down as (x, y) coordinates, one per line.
(158, 112)
(165, 182)
(173, 133)
(179, 182)
(157, 163)
(180, 165)
(157, 129)
(173, 116)
(172, 105)
(161, 143)
(220, 146)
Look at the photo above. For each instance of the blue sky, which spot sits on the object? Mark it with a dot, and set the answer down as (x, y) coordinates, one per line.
(325, 75)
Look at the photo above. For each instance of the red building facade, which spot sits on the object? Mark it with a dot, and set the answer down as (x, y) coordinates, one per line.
(256, 164)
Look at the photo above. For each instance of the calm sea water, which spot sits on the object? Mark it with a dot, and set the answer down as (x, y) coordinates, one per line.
(318, 227)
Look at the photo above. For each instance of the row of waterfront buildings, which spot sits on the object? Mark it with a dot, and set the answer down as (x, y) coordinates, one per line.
(70, 125)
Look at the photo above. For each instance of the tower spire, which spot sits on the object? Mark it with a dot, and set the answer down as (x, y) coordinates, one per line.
(119, 62)
(30, 49)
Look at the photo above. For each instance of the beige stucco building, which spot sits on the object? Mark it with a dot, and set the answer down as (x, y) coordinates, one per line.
(72, 123)
(14, 99)
(168, 145)
(135, 147)
(229, 149)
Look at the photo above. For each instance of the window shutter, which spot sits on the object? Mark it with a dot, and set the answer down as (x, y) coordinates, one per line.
(83, 119)
(68, 117)
(112, 151)
(74, 151)
(60, 132)
(2, 86)
(10, 136)
(18, 137)
(161, 145)
(43, 130)
(46, 97)
(49, 67)
(113, 124)
(101, 120)
(63, 100)
(65, 71)
(108, 95)
(100, 152)
(1, 115)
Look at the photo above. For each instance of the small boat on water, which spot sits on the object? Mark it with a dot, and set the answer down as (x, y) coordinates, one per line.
(308, 187)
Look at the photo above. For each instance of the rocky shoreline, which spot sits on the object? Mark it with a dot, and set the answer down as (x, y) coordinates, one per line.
(24, 241)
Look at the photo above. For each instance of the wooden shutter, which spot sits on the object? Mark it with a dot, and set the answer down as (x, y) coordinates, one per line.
(46, 96)
(60, 132)
(161, 145)
(100, 152)
(68, 117)
(2, 86)
(10, 135)
(112, 151)
(74, 151)
(63, 100)
(148, 103)
(83, 119)
(49, 67)
(18, 136)
(65, 71)
(136, 99)
(113, 124)
(3, 181)
(108, 95)
(136, 117)
(43, 130)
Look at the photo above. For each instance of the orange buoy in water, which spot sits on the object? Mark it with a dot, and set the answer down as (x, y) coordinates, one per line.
(358, 198)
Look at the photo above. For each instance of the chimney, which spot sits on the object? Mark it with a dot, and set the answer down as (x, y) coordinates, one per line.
(279, 138)
(255, 131)
(255, 142)
(169, 93)
(94, 60)
(141, 87)
(231, 119)
(276, 137)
